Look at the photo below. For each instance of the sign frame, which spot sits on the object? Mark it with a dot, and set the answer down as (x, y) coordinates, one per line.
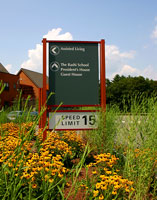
(102, 79)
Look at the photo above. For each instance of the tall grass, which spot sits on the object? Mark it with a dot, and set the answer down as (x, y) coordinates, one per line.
(140, 131)
(101, 139)
(133, 138)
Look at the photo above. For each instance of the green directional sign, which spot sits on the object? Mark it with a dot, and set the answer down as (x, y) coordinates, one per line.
(73, 73)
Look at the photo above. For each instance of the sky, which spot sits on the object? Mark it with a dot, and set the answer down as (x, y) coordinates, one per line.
(129, 28)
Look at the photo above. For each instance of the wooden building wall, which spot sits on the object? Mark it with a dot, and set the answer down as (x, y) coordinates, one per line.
(11, 90)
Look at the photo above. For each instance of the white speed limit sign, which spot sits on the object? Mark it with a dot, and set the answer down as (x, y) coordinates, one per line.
(73, 120)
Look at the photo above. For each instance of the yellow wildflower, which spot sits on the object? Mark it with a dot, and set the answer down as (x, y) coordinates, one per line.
(114, 192)
(95, 193)
(108, 172)
(34, 186)
(101, 197)
(51, 180)
(98, 185)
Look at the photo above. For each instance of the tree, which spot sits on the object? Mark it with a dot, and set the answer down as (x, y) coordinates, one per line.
(124, 88)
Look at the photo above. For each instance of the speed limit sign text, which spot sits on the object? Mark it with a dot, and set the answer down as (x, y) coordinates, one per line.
(73, 120)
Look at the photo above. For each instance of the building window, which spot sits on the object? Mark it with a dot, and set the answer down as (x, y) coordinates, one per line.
(14, 85)
(6, 86)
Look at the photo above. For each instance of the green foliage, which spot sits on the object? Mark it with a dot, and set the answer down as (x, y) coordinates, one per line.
(2, 86)
(124, 88)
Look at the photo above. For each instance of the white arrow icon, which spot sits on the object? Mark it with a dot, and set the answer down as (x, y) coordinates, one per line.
(54, 66)
(55, 50)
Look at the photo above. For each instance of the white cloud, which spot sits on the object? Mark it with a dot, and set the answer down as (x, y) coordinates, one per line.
(113, 53)
(54, 34)
(8, 68)
(117, 61)
(150, 72)
(127, 70)
(154, 33)
(34, 61)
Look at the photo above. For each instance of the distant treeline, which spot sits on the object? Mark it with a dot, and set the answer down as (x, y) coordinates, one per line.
(126, 89)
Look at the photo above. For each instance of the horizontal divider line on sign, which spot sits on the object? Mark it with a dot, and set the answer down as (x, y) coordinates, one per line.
(72, 41)
(50, 106)
(76, 111)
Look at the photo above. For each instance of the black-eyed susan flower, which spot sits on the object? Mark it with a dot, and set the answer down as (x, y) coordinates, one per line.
(95, 193)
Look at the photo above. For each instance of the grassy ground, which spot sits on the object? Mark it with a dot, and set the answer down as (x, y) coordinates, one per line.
(116, 161)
